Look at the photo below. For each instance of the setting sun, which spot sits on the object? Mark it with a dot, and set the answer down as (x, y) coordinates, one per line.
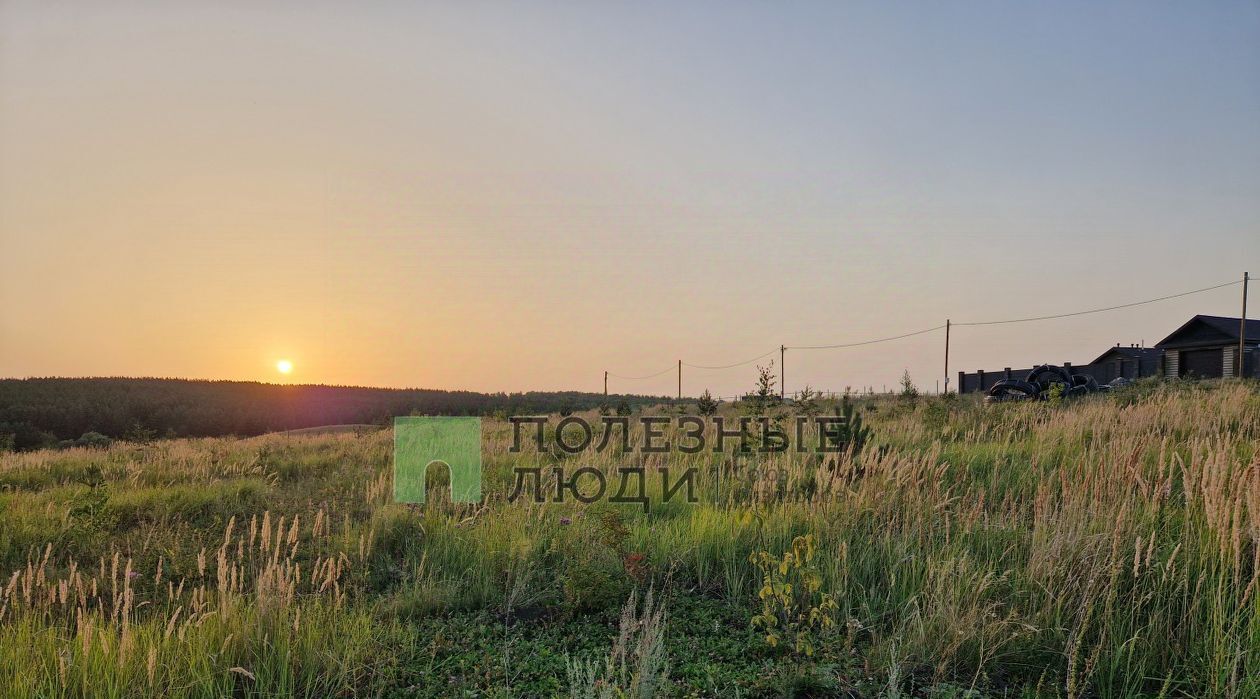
(284, 366)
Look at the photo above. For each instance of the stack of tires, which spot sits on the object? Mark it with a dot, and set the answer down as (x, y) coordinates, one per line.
(1040, 383)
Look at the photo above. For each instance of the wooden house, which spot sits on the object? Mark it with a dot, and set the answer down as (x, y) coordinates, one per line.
(1130, 362)
(1206, 347)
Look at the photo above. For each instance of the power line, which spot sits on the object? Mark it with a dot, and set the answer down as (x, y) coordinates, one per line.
(730, 366)
(928, 330)
(867, 342)
(640, 378)
(1100, 310)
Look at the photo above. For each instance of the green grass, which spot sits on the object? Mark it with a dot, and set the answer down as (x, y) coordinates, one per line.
(1105, 547)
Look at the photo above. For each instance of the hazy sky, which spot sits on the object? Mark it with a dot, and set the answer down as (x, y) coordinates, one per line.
(507, 196)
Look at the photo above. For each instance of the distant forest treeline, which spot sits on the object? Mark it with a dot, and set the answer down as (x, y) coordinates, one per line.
(42, 411)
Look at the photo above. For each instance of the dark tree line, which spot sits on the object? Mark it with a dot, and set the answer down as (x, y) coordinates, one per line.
(42, 411)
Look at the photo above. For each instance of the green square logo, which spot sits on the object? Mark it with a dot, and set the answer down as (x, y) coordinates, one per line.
(420, 442)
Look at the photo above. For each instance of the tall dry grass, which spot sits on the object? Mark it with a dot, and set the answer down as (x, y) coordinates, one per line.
(1108, 547)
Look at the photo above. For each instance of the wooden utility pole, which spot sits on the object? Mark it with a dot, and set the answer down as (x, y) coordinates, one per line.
(679, 379)
(605, 384)
(1242, 331)
(947, 356)
(782, 387)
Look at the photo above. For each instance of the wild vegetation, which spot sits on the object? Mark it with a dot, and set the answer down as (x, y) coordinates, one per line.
(46, 412)
(1102, 547)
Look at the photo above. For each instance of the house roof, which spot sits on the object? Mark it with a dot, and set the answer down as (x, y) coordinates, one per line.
(1210, 330)
(1130, 353)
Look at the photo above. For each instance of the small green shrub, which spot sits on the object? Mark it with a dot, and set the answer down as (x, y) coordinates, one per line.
(764, 394)
(909, 392)
(705, 405)
(138, 433)
(793, 606)
(591, 561)
(91, 440)
(807, 401)
(1054, 394)
(851, 434)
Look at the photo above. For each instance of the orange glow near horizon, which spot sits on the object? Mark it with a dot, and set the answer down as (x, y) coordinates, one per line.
(432, 195)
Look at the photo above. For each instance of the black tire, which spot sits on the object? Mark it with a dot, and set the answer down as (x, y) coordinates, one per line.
(1048, 374)
(1013, 389)
(1085, 381)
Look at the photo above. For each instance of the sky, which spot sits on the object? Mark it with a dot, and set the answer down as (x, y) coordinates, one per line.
(521, 196)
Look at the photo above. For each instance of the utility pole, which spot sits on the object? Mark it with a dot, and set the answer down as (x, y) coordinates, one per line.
(679, 379)
(782, 387)
(947, 355)
(605, 383)
(1242, 331)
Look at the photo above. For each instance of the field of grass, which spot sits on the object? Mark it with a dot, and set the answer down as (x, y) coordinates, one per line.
(1106, 547)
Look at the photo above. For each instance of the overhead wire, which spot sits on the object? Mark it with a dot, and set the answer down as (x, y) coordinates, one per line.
(928, 330)
(639, 378)
(730, 366)
(866, 342)
(1100, 310)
